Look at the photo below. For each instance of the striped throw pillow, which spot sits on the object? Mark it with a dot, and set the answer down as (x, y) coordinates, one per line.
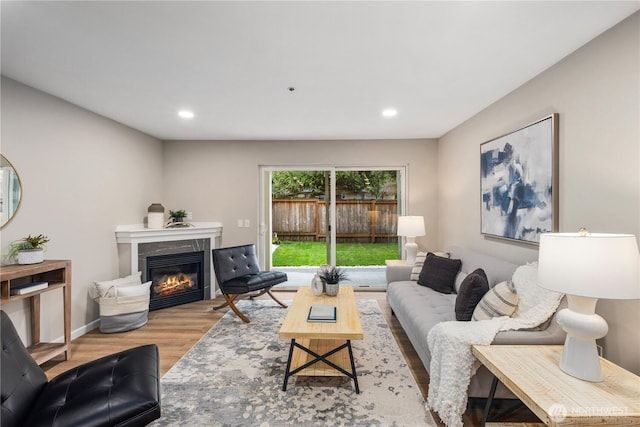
(417, 266)
(501, 300)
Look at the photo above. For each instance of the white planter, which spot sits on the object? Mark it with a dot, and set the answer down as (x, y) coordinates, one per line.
(30, 256)
(155, 220)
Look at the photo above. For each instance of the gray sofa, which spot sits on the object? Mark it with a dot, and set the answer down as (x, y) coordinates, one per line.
(419, 308)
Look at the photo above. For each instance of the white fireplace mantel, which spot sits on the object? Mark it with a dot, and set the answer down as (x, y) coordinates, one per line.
(136, 234)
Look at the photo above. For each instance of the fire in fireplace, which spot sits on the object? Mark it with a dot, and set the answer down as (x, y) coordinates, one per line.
(171, 284)
(176, 279)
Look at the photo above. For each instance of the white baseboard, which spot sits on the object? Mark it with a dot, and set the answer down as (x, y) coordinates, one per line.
(76, 333)
(84, 329)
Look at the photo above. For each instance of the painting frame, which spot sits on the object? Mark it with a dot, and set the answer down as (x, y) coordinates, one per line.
(519, 194)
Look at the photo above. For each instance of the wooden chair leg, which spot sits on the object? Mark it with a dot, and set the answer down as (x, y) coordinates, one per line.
(229, 302)
(259, 293)
(230, 298)
(226, 303)
(239, 313)
(268, 291)
(283, 305)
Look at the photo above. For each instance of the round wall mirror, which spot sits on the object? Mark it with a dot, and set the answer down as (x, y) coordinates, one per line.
(10, 191)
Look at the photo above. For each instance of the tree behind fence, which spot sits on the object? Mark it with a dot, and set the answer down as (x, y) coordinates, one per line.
(372, 221)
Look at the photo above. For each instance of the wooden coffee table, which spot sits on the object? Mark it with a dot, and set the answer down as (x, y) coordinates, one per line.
(322, 349)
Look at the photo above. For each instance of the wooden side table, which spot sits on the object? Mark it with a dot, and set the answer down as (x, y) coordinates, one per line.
(58, 275)
(533, 374)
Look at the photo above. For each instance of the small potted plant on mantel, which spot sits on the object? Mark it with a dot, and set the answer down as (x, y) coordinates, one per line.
(177, 216)
(29, 250)
(176, 219)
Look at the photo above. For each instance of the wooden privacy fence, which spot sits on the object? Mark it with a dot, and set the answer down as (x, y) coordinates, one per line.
(356, 220)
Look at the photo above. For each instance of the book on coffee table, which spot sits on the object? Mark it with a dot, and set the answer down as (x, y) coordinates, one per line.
(322, 313)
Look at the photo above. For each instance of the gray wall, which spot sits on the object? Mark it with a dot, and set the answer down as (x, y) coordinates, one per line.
(596, 91)
(219, 180)
(81, 175)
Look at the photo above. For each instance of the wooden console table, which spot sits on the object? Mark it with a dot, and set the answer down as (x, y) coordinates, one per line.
(58, 274)
(533, 374)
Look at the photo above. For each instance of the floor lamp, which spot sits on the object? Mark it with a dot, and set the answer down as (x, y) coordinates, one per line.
(586, 267)
(411, 227)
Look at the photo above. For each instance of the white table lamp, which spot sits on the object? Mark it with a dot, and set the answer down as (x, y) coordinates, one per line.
(411, 227)
(586, 267)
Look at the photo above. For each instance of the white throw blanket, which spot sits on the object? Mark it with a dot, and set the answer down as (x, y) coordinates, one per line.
(453, 364)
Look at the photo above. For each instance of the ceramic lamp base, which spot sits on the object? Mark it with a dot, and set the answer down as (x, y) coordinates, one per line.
(411, 247)
(580, 355)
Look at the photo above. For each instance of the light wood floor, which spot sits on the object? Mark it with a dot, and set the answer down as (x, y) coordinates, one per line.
(175, 330)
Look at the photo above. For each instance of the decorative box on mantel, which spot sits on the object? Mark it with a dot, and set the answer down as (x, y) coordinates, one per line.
(177, 260)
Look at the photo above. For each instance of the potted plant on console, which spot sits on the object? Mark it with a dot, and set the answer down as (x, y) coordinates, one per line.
(29, 250)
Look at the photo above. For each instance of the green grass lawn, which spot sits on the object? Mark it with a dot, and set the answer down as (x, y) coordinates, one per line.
(296, 254)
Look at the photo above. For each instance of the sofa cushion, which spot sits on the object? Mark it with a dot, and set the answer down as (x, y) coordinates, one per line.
(472, 289)
(501, 300)
(459, 279)
(418, 309)
(439, 273)
(497, 270)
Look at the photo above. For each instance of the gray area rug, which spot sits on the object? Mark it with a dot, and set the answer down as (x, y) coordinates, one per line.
(233, 377)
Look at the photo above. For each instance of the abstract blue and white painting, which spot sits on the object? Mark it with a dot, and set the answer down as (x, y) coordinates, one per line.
(517, 177)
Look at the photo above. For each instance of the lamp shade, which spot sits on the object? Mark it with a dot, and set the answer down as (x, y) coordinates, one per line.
(595, 265)
(411, 226)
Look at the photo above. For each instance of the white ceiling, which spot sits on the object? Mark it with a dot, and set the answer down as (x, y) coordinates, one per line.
(438, 63)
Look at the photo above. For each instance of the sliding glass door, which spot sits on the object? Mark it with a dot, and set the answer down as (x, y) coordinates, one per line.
(366, 210)
(331, 215)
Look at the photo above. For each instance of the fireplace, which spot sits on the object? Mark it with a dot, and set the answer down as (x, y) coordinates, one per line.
(137, 244)
(176, 278)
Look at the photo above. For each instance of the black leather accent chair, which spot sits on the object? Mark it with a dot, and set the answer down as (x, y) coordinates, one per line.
(122, 389)
(237, 272)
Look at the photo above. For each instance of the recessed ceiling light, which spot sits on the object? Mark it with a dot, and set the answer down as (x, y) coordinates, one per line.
(390, 112)
(185, 114)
